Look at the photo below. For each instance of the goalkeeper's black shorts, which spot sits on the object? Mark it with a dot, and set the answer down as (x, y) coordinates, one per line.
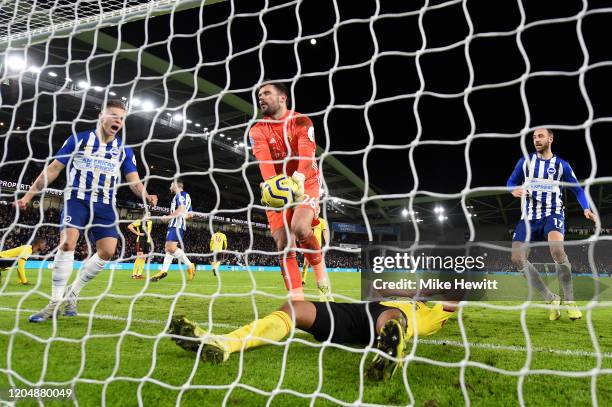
(143, 246)
(7, 263)
(351, 323)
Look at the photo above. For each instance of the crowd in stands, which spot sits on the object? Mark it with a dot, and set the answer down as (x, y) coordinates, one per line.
(197, 241)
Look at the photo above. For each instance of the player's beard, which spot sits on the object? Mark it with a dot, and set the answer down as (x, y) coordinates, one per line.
(270, 110)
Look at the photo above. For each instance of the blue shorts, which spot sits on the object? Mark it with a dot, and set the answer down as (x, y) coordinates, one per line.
(539, 228)
(175, 235)
(77, 213)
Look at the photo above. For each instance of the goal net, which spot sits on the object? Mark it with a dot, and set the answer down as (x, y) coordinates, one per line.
(421, 111)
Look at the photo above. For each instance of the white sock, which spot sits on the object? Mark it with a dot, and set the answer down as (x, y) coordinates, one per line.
(62, 269)
(90, 270)
(167, 262)
(180, 255)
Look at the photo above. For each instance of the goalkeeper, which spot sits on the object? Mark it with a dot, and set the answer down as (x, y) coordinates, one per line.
(218, 242)
(284, 143)
(387, 324)
(21, 254)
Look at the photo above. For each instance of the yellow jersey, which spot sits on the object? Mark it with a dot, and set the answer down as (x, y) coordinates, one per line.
(21, 252)
(429, 320)
(218, 241)
(318, 230)
(149, 225)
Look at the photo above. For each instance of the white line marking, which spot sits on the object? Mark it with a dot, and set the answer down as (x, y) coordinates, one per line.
(456, 344)
(514, 348)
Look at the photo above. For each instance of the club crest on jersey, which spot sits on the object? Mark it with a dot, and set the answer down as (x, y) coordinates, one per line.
(114, 152)
(311, 135)
(551, 171)
(272, 141)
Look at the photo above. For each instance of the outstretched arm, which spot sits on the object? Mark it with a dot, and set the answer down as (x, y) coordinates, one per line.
(569, 176)
(138, 188)
(46, 177)
(516, 180)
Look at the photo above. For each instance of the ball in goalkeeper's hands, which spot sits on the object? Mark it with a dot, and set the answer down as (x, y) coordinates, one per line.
(278, 191)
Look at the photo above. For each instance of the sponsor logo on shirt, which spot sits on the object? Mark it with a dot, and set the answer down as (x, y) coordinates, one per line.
(103, 165)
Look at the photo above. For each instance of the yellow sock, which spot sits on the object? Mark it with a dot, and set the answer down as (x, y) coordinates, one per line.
(141, 267)
(21, 272)
(274, 327)
(304, 272)
(136, 266)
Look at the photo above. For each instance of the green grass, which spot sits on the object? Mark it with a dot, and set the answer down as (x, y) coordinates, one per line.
(107, 358)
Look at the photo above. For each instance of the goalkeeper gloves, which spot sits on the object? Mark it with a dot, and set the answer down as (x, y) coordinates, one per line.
(299, 179)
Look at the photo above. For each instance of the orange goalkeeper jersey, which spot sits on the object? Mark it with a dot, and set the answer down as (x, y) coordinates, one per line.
(268, 141)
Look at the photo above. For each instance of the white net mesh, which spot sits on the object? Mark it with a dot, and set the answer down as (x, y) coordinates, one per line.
(188, 71)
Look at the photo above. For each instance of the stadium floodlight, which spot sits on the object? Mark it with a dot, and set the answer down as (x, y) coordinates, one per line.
(313, 41)
(404, 212)
(15, 63)
(123, 98)
(98, 88)
(205, 129)
(198, 125)
(83, 85)
(112, 93)
(148, 106)
(52, 74)
(177, 117)
(168, 114)
(34, 69)
(189, 121)
(438, 209)
(222, 135)
(442, 218)
(135, 102)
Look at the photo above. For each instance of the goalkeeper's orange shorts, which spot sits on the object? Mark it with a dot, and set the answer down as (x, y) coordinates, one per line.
(312, 190)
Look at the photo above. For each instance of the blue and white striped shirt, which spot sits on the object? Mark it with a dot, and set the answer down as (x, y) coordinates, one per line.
(182, 198)
(542, 178)
(94, 167)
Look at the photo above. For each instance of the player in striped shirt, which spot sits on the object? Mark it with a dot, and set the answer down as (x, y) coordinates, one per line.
(95, 160)
(142, 230)
(536, 180)
(218, 242)
(180, 211)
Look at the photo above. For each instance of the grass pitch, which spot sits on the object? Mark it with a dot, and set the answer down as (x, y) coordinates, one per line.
(116, 353)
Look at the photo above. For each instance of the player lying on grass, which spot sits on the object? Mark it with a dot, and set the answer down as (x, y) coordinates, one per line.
(537, 180)
(284, 143)
(388, 325)
(21, 254)
(95, 159)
